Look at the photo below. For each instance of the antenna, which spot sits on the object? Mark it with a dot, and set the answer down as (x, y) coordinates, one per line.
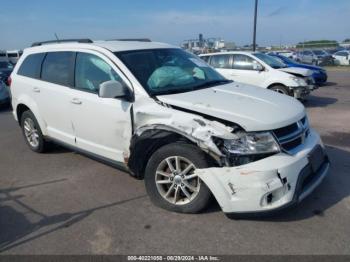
(56, 37)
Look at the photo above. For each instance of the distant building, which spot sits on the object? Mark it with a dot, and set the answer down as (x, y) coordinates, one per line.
(205, 45)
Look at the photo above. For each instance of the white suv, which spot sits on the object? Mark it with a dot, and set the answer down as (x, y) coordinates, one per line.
(262, 70)
(165, 116)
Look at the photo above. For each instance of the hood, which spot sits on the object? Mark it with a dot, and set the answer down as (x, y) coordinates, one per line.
(253, 108)
(311, 67)
(296, 71)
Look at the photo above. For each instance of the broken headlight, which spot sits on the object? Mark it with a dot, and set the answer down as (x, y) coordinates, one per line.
(252, 144)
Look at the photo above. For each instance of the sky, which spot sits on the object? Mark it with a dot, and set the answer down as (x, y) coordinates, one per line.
(279, 21)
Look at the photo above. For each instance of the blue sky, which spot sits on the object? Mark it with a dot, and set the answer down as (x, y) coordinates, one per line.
(288, 21)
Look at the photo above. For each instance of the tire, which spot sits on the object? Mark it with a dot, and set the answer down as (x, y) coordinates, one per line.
(29, 125)
(280, 89)
(193, 201)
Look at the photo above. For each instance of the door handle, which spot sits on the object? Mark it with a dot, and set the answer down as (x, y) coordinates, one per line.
(76, 101)
(36, 89)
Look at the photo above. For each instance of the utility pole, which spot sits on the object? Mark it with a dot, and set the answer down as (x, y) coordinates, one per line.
(255, 20)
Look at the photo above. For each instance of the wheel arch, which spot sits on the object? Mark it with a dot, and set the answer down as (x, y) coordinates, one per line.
(23, 106)
(144, 145)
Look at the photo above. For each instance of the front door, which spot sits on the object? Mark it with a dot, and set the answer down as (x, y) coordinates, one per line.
(102, 125)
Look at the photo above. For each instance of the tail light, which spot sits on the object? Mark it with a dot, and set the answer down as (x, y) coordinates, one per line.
(9, 81)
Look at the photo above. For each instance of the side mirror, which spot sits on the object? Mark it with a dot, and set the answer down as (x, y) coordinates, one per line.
(114, 89)
(258, 67)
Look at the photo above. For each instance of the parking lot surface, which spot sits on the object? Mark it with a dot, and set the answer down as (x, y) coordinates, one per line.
(64, 203)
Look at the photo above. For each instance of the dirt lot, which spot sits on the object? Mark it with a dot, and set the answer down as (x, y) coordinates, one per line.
(65, 203)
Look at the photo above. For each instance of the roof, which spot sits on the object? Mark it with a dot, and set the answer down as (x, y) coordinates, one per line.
(113, 46)
(230, 52)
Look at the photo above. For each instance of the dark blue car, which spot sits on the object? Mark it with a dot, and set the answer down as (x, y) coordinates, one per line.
(319, 74)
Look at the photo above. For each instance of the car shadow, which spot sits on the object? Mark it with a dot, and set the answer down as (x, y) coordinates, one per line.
(318, 101)
(328, 84)
(16, 229)
(333, 190)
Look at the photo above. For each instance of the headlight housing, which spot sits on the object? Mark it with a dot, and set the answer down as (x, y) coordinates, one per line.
(252, 144)
(298, 80)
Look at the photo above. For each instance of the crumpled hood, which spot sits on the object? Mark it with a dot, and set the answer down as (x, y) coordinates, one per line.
(296, 70)
(253, 108)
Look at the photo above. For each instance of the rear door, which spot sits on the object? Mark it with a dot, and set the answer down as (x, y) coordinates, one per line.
(223, 64)
(54, 94)
(102, 125)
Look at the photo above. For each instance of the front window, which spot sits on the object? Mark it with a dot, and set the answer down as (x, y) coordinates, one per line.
(6, 65)
(271, 61)
(170, 71)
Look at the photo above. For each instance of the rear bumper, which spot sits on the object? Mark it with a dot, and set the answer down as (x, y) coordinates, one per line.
(270, 184)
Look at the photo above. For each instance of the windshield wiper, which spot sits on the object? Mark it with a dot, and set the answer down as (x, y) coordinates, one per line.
(212, 83)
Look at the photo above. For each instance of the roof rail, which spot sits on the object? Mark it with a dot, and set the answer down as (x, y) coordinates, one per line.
(86, 40)
(132, 39)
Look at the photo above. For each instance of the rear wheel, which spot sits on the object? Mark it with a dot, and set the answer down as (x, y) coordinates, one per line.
(32, 132)
(280, 89)
(170, 180)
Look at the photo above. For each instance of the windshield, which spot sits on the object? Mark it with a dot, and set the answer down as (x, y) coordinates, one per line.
(6, 65)
(271, 61)
(285, 59)
(170, 71)
(319, 52)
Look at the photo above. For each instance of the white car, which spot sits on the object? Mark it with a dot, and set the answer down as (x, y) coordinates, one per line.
(14, 55)
(342, 57)
(262, 70)
(165, 116)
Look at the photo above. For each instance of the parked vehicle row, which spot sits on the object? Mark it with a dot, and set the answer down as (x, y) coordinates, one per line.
(10, 56)
(167, 117)
(262, 70)
(319, 74)
(342, 57)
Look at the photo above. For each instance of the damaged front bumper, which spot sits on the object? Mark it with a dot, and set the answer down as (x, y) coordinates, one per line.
(271, 183)
(302, 92)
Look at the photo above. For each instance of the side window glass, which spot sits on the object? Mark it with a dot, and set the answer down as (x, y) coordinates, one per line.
(243, 62)
(220, 61)
(31, 65)
(205, 58)
(58, 68)
(91, 71)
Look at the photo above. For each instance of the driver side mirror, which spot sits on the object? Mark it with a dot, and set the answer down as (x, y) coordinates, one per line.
(114, 89)
(258, 67)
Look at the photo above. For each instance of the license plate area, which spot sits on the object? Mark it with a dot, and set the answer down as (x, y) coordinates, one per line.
(316, 158)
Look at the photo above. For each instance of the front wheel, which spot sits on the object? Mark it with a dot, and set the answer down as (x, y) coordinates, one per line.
(171, 182)
(280, 89)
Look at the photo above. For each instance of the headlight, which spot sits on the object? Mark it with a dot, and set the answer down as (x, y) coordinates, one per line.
(298, 80)
(252, 143)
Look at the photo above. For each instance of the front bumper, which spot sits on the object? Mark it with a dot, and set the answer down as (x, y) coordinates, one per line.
(301, 92)
(269, 184)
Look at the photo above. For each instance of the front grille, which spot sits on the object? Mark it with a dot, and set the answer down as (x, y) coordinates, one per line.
(292, 136)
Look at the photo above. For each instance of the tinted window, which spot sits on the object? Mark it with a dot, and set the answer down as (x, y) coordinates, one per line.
(31, 65)
(205, 58)
(2, 54)
(243, 62)
(91, 71)
(58, 68)
(220, 61)
(12, 54)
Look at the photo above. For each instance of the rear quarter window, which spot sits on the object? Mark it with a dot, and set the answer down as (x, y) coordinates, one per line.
(31, 66)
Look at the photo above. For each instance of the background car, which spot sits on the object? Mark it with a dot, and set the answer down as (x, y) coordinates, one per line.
(262, 70)
(14, 55)
(323, 57)
(315, 57)
(3, 56)
(6, 69)
(318, 73)
(4, 95)
(289, 54)
(342, 57)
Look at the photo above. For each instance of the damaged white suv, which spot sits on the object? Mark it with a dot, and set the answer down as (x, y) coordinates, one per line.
(167, 117)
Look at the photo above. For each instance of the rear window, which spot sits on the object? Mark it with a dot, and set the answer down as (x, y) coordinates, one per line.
(58, 68)
(12, 54)
(2, 54)
(31, 65)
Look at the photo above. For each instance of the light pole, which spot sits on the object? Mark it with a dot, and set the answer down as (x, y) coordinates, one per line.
(255, 20)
